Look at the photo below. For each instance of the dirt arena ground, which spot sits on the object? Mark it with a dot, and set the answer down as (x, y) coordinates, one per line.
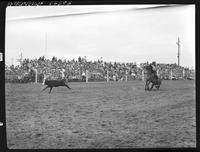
(101, 115)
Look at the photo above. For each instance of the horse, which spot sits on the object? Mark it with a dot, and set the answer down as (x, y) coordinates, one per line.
(156, 83)
(151, 78)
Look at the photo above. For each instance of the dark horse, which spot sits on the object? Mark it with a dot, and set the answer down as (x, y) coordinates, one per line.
(151, 78)
(55, 83)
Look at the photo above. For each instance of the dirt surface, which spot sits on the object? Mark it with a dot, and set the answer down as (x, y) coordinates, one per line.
(101, 115)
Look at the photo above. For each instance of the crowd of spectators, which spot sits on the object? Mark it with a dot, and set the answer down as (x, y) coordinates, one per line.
(76, 70)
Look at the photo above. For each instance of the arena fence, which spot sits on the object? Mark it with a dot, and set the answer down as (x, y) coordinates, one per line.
(37, 76)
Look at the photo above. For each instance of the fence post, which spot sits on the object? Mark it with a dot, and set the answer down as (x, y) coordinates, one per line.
(126, 75)
(35, 75)
(107, 76)
(114, 77)
(63, 74)
(142, 75)
(183, 73)
(44, 79)
(86, 76)
(171, 74)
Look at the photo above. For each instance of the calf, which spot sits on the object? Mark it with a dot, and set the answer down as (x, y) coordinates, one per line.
(55, 83)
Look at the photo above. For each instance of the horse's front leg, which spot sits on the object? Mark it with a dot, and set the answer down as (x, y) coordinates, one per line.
(147, 85)
(152, 86)
(158, 86)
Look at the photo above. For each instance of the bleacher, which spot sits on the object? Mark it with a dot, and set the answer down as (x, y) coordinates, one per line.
(97, 70)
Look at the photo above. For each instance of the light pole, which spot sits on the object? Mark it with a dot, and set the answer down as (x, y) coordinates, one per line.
(178, 43)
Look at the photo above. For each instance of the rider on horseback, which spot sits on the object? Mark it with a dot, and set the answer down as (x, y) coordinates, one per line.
(154, 72)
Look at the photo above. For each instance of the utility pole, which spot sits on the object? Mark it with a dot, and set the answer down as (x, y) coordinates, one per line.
(12, 61)
(45, 45)
(20, 59)
(178, 43)
(45, 42)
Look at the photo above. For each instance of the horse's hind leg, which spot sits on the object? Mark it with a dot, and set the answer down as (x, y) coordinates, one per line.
(152, 86)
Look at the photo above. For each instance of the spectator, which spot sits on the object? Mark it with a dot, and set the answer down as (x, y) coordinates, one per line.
(77, 69)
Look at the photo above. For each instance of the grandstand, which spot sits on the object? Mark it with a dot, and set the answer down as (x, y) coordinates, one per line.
(80, 70)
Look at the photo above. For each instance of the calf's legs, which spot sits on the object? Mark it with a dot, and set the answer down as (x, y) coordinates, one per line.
(45, 88)
(50, 89)
(67, 86)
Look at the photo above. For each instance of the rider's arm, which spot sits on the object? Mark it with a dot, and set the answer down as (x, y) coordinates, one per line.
(154, 68)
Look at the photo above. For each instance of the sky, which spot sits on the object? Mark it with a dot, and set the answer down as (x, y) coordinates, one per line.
(116, 33)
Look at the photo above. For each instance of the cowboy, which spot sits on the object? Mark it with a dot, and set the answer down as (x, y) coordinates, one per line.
(153, 65)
